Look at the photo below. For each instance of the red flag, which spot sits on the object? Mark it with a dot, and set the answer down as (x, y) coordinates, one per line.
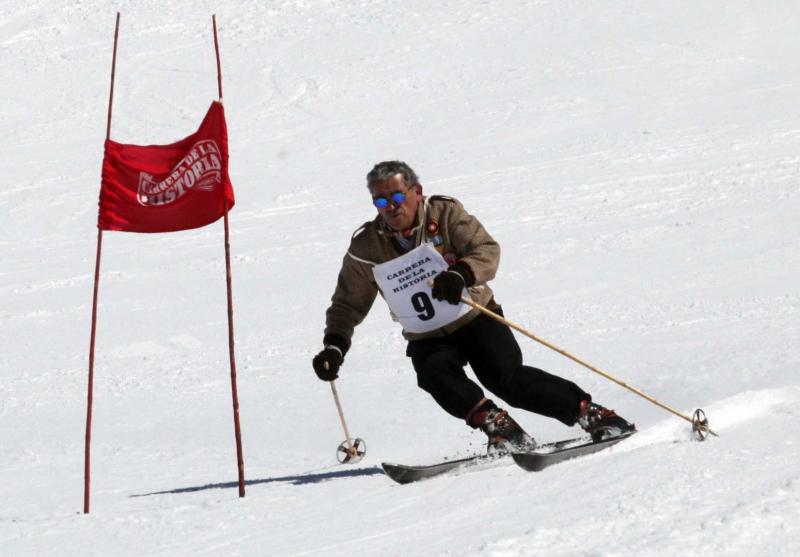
(163, 188)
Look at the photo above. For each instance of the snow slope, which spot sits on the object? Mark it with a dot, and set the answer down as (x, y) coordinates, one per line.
(637, 161)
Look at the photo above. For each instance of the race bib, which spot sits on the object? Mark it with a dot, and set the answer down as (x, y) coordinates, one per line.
(404, 283)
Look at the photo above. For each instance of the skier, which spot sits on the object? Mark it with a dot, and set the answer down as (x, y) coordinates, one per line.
(423, 254)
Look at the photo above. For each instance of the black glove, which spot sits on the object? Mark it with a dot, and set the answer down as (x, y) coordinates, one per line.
(449, 285)
(326, 363)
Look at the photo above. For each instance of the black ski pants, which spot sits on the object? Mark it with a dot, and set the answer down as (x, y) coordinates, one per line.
(495, 357)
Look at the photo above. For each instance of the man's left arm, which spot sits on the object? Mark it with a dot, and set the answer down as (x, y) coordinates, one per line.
(479, 253)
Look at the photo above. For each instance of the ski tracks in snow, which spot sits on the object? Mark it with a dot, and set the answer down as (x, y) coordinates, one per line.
(685, 496)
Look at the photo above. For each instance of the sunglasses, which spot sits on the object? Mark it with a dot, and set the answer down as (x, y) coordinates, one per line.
(397, 198)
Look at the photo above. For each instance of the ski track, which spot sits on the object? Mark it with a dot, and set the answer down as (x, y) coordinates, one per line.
(638, 167)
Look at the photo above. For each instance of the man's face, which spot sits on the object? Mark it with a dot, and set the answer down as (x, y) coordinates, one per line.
(398, 216)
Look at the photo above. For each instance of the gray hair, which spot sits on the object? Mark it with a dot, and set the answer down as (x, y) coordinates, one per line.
(386, 169)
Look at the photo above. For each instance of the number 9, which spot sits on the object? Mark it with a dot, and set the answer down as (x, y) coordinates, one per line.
(422, 303)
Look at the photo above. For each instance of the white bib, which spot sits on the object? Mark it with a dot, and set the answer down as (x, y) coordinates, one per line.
(404, 284)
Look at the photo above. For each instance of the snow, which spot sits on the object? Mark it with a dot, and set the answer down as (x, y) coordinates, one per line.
(637, 162)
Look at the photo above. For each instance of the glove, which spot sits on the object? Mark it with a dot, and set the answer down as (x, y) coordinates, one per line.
(447, 286)
(327, 363)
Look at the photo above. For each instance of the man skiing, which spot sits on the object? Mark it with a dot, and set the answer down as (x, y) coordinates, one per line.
(423, 254)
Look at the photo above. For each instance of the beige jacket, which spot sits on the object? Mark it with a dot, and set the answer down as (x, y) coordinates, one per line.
(440, 220)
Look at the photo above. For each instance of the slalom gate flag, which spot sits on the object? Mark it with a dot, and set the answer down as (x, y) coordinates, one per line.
(164, 188)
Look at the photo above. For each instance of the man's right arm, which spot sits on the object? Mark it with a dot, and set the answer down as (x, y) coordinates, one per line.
(351, 301)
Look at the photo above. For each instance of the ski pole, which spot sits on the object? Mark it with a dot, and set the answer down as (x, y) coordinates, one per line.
(353, 449)
(699, 421)
(341, 417)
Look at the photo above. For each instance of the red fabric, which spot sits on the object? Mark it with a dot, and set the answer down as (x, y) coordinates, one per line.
(163, 188)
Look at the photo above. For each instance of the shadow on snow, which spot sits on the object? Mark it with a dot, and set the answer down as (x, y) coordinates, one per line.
(296, 480)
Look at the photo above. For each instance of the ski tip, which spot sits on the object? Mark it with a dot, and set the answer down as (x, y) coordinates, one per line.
(398, 472)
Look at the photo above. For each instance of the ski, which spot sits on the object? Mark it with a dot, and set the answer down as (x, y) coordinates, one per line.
(541, 459)
(407, 473)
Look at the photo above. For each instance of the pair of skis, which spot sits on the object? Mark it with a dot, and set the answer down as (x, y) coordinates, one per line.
(545, 455)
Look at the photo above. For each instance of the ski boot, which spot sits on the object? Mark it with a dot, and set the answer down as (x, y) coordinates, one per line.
(505, 435)
(602, 423)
